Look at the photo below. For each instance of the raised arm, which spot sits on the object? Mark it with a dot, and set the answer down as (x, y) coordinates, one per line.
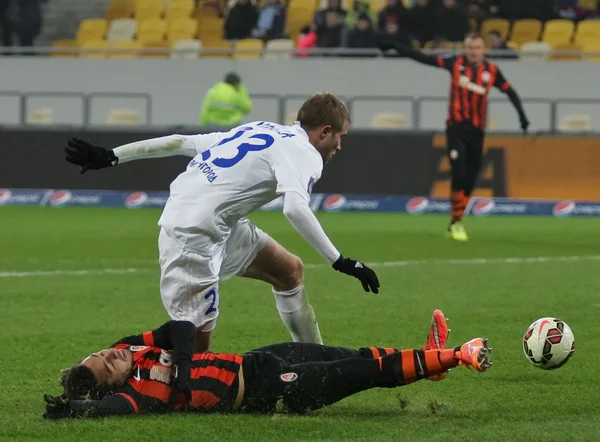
(414, 54)
(172, 335)
(91, 157)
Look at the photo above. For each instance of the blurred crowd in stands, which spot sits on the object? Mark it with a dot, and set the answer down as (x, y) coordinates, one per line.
(21, 19)
(429, 23)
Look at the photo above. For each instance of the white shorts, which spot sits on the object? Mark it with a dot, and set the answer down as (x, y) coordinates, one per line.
(189, 282)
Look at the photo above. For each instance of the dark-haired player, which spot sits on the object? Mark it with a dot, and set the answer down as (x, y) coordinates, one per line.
(472, 78)
(158, 372)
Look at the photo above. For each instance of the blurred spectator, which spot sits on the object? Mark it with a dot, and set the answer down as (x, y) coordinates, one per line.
(226, 103)
(394, 11)
(363, 36)
(496, 42)
(422, 17)
(566, 9)
(451, 22)
(330, 35)
(306, 40)
(393, 36)
(30, 21)
(5, 24)
(271, 21)
(241, 20)
(360, 7)
(332, 6)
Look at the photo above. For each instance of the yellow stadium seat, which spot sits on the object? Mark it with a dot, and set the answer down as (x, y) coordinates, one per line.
(94, 47)
(496, 24)
(149, 9)
(558, 31)
(149, 29)
(91, 29)
(126, 49)
(592, 47)
(587, 31)
(589, 5)
(64, 48)
(248, 48)
(210, 28)
(182, 29)
(216, 48)
(526, 30)
(155, 44)
(566, 47)
(179, 9)
(120, 9)
(378, 5)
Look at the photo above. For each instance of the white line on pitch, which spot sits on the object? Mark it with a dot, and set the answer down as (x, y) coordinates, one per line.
(124, 271)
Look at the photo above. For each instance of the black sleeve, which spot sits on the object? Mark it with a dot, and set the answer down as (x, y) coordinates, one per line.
(501, 82)
(516, 102)
(173, 335)
(440, 61)
(113, 405)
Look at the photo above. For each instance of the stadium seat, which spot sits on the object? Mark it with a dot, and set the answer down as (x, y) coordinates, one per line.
(153, 45)
(561, 47)
(216, 48)
(121, 29)
(526, 30)
(148, 9)
(210, 28)
(91, 29)
(248, 48)
(535, 50)
(575, 123)
(186, 49)
(558, 31)
(299, 15)
(592, 47)
(588, 31)
(153, 29)
(126, 49)
(385, 120)
(123, 117)
(378, 5)
(278, 49)
(94, 47)
(177, 9)
(182, 29)
(120, 9)
(64, 48)
(495, 24)
(42, 115)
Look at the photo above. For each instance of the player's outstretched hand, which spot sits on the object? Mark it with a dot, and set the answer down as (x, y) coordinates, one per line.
(364, 274)
(88, 156)
(57, 407)
(524, 124)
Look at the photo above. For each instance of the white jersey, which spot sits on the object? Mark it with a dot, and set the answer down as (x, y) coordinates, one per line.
(235, 173)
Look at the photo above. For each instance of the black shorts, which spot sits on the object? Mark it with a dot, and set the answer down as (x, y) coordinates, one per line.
(263, 388)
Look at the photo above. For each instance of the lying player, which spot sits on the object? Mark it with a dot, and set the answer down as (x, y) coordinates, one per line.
(205, 238)
(157, 372)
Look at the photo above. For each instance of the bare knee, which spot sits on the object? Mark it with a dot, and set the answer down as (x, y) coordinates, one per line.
(292, 274)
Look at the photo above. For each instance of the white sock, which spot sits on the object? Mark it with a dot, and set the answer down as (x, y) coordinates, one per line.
(298, 315)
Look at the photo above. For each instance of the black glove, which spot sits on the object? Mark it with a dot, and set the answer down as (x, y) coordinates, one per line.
(181, 380)
(524, 124)
(364, 274)
(57, 407)
(88, 156)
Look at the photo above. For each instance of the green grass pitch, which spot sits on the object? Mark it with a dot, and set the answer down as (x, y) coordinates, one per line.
(57, 305)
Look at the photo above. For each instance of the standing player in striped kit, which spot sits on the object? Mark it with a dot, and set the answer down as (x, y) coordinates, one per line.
(472, 78)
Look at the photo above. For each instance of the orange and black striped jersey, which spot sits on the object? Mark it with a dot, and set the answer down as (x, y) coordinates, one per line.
(469, 89)
(213, 380)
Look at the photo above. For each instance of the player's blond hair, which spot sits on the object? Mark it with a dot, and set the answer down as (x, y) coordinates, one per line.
(324, 109)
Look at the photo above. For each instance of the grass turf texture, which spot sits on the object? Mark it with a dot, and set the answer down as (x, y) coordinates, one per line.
(48, 322)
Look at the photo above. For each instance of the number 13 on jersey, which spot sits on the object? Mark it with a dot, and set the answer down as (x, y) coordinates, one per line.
(260, 142)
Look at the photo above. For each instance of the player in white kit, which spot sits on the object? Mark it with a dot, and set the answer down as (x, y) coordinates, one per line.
(204, 237)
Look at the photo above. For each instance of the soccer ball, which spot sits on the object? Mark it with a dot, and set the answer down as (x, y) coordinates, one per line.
(548, 343)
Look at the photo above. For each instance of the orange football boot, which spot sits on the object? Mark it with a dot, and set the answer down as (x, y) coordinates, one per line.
(476, 354)
(437, 338)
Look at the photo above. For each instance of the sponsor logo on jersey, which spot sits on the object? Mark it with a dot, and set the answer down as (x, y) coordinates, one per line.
(418, 204)
(334, 202)
(138, 348)
(288, 377)
(311, 183)
(60, 198)
(136, 199)
(483, 207)
(204, 168)
(564, 208)
(466, 83)
(5, 196)
(161, 374)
